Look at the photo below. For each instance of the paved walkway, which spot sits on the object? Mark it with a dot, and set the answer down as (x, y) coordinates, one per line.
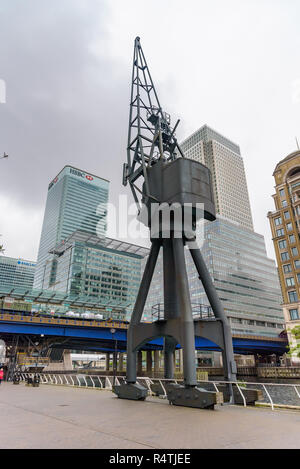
(62, 417)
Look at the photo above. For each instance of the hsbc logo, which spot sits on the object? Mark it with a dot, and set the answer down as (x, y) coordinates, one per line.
(53, 182)
(81, 174)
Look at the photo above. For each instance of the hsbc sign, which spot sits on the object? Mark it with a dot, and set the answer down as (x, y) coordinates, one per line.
(81, 174)
(78, 173)
(53, 182)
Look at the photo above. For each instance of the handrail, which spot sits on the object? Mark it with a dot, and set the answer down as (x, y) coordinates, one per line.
(272, 405)
(198, 311)
(243, 397)
(107, 378)
(215, 386)
(163, 388)
(100, 382)
(93, 381)
(297, 392)
(105, 383)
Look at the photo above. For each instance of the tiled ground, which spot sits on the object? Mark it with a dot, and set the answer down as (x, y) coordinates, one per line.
(62, 417)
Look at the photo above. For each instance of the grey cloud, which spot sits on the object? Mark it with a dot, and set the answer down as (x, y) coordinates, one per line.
(65, 103)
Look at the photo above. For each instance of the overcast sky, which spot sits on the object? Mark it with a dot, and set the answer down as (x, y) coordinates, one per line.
(66, 65)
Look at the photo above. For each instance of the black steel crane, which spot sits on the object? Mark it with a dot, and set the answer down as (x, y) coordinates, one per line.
(164, 182)
(150, 135)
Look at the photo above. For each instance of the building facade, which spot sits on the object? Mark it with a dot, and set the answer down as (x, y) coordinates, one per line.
(76, 200)
(285, 227)
(245, 279)
(103, 269)
(223, 158)
(16, 272)
(76, 260)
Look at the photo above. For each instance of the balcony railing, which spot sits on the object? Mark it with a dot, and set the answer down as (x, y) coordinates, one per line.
(199, 311)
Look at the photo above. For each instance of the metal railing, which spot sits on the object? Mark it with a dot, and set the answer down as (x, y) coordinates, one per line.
(275, 395)
(199, 311)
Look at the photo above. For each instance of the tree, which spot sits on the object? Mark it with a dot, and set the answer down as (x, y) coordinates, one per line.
(295, 350)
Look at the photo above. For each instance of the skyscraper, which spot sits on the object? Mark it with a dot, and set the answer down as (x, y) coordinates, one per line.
(76, 201)
(224, 160)
(245, 278)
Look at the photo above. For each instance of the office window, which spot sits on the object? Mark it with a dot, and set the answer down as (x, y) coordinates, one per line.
(281, 192)
(236, 321)
(294, 251)
(290, 281)
(278, 221)
(282, 244)
(287, 215)
(297, 264)
(284, 256)
(260, 323)
(280, 232)
(293, 297)
(298, 278)
(292, 239)
(284, 203)
(287, 268)
(294, 314)
(289, 227)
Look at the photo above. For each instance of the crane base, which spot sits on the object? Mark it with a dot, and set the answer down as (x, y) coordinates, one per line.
(193, 397)
(250, 395)
(133, 391)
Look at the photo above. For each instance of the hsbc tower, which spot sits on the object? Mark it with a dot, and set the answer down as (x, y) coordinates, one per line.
(76, 200)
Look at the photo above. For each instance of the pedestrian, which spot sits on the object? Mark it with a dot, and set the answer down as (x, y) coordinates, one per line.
(1, 375)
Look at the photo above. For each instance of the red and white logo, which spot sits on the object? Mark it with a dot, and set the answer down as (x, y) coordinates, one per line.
(90, 178)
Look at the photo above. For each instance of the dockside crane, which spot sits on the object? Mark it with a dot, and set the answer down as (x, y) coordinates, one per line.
(163, 181)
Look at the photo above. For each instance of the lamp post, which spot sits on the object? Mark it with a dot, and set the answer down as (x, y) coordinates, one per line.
(113, 331)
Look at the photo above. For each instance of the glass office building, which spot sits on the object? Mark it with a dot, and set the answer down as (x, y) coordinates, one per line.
(76, 201)
(103, 269)
(16, 272)
(245, 278)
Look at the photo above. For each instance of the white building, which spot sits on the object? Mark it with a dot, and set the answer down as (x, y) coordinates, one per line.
(224, 160)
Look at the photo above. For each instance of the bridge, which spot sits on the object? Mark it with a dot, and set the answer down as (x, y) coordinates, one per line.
(111, 335)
